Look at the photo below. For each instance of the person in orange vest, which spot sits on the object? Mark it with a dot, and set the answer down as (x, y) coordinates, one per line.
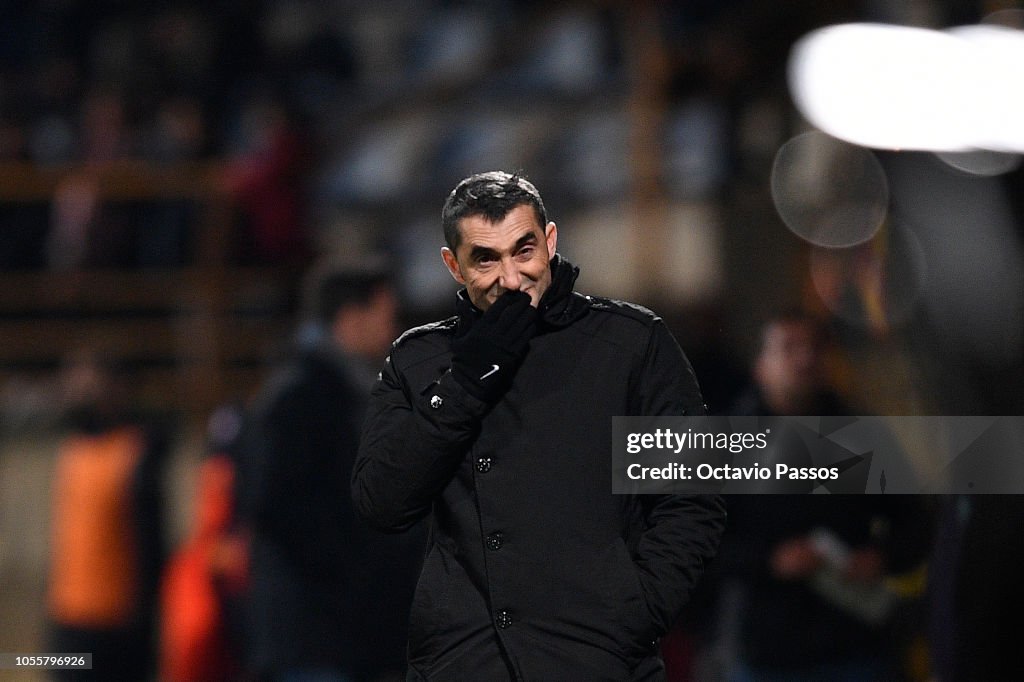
(207, 575)
(106, 532)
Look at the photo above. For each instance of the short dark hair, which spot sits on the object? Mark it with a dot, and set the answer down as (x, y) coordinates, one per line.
(491, 195)
(331, 285)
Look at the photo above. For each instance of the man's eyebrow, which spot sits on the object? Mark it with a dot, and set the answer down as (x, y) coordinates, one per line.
(478, 252)
(528, 238)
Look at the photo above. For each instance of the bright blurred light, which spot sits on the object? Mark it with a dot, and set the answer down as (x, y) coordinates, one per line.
(828, 192)
(995, 91)
(897, 87)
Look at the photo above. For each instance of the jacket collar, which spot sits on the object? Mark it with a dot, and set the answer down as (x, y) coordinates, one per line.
(559, 307)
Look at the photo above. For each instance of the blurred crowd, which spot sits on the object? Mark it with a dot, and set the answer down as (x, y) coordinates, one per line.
(322, 113)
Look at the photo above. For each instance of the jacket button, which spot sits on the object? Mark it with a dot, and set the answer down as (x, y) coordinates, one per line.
(503, 620)
(483, 464)
(436, 402)
(494, 541)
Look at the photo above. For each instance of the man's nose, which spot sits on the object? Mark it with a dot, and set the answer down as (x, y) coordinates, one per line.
(509, 278)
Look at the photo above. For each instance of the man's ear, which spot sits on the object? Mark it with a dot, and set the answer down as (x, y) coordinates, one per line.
(551, 237)
(452, 263)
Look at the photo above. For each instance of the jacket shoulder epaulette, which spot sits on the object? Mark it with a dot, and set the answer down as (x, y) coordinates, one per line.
(441, 326)
(632, 311)
(422, 343)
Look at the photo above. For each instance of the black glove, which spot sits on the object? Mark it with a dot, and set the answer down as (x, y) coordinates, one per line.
(485, 358)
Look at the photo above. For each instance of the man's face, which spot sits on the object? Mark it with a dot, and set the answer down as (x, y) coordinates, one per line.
(513, 254)
(792, 362)
(367, 329)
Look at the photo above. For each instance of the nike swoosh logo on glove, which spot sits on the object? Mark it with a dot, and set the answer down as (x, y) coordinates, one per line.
(494, 369)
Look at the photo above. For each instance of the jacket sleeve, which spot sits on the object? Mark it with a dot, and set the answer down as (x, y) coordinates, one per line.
(412, 444)
(682, 532)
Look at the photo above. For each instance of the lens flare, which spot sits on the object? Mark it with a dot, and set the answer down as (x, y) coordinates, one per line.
(828, 192)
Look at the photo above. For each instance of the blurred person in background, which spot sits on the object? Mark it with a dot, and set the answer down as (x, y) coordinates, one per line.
(802, 576)
(206, 576)
(178, 134)
(265, 177)
(790, 371)
(86, 229)
(106, 548)
(497, 424)
(328, 596)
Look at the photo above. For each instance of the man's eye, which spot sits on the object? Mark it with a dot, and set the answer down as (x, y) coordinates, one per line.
(526, 252)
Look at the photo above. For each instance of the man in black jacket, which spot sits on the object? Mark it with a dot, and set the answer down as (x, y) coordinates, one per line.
(497, 422)
(329, 596)
(803, 575)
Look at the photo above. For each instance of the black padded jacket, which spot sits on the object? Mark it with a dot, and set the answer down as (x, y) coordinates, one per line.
(534, 569)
